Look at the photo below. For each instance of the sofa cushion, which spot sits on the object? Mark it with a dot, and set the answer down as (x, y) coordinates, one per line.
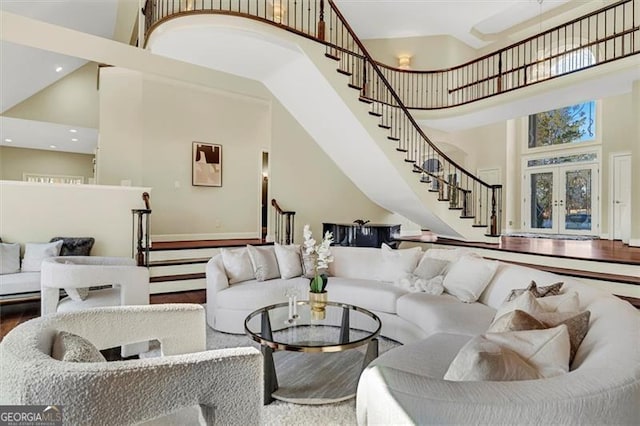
(23, 282)
(251, 295)
(430, 267)
(264, 262)
(398, 263)
(515, 320)
(428, 357)
(35, 253)
(237, 265)
(9, 258)
(444, 314)
(289, 260)
(70, 347)
(468, 277)
(515, 355)
(372, 295)
(75, 246)
(363, 263)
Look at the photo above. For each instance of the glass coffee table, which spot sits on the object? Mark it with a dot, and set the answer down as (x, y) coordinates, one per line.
(315, 363)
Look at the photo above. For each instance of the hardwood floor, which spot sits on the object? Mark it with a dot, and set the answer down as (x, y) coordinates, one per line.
(597, 250)
(12, 315)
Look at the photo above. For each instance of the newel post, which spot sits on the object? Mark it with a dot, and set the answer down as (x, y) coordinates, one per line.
(321, 21)
(493, 230)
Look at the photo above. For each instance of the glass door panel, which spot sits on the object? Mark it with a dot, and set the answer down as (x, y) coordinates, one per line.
(541, 190)
(576, 207)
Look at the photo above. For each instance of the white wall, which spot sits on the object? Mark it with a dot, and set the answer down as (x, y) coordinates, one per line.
(16, 161)
(37, 212)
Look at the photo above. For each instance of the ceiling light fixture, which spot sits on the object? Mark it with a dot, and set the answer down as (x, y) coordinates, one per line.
(8, 140)
(58, 68)
(52, 146)
(73, 130)
(74, 139)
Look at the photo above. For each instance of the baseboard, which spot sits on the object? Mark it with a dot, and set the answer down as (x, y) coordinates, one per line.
(634, 242)
(604, 236)
(196, 237)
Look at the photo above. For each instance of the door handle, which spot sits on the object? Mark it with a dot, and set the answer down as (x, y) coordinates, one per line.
(618, 201)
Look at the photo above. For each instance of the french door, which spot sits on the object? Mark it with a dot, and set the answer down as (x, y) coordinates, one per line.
(562, 199)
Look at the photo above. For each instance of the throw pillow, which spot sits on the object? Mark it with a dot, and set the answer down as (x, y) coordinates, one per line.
(526, 302)
(9, 258)
(567, 302)
(468, 277)
(308, 261)
(546, 351)
(73, 246)
(237, 265)
(398, 263)
(77, 294)
(415, 284)
(450, 255)
(430, 267)
(577, 325)
(516, 321)
(482, 360)
(550, 290)
(70, 347)
(35, 253)
(264, 262)
(289, 260)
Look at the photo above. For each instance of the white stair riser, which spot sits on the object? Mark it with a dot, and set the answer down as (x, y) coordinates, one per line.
(160, 271)
(178, 286)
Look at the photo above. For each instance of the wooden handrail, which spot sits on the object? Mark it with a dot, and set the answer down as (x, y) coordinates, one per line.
(145, 198)
(141, 233)
(284, 224)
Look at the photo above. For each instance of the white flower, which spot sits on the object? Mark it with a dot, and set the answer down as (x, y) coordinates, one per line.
(323, 252)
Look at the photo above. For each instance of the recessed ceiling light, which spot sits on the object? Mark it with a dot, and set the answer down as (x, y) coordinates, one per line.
(52, 146)
(58, 68)
(73, 130)
(74, 139)
(8, 140)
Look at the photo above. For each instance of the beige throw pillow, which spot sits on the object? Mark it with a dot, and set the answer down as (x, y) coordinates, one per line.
(516, 321)
(70, 347)
(567, 302)
(398, 263)
(430, 267)
(289, 260)
(9, 258)
(35, 253)
(577, 325)
(545, 351)
(237, 265)
(549, 290)
(264, 262)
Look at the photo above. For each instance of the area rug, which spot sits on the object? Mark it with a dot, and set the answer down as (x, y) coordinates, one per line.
(277, 413)
(553, 236)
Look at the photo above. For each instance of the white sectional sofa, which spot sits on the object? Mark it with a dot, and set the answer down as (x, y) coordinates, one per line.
(406, 385)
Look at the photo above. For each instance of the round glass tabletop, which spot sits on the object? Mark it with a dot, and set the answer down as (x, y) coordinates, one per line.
(298, 328)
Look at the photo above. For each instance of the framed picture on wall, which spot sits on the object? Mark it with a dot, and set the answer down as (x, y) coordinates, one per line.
(206, 164)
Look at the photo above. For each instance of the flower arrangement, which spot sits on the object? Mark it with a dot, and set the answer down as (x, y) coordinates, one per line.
(321, 255)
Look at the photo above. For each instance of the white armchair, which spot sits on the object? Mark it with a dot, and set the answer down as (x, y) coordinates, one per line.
(226, 383)
(129, 286)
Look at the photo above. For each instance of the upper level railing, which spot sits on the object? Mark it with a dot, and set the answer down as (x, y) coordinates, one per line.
(605, 35)
(602, 36)
(141, 232)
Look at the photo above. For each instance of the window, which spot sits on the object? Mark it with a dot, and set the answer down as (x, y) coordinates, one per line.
(572, 124)
(34, 177)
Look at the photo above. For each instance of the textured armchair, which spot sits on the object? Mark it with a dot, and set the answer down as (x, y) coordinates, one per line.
(129, 285)
(226, 383)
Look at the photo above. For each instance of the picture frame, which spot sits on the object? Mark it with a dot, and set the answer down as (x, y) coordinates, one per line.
(206, 164)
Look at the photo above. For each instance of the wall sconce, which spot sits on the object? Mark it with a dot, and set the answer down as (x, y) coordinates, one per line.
(404, 62)
(278, 10)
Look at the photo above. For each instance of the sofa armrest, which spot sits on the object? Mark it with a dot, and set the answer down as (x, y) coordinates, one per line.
(216, 275)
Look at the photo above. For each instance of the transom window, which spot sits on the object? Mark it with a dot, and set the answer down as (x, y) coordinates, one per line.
(572, 124)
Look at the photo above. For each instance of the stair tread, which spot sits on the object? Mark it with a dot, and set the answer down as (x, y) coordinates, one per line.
(175, 262)
(375, 114)
(393, 138)
(401, 150)
(330, 56)
(178, 277)
(479, 226)
(433, 190)
(341, 71)
(384, 126)
(443, 199)
(467, 217)
(406, 160)
(365, 100)
(455, 208)
(353, 86)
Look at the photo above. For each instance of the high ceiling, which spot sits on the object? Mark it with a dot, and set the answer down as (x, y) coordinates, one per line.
(25, 71)
(458, 18)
